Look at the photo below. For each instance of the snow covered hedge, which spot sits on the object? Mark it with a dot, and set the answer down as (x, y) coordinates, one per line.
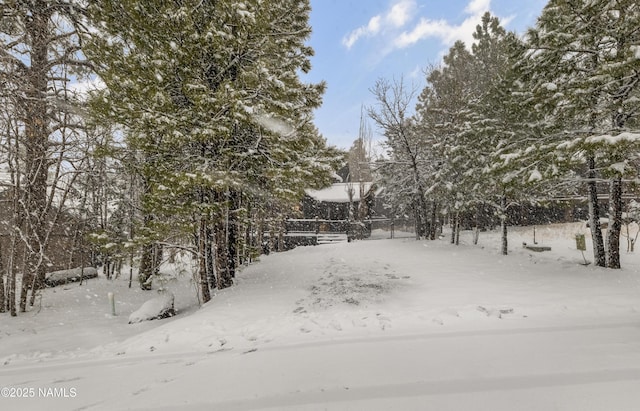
(154, 309)
(69, 276)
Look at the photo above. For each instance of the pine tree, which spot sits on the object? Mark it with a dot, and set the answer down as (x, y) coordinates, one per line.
(442, 117)
(212, 100)
(501, 125)
(584, 56)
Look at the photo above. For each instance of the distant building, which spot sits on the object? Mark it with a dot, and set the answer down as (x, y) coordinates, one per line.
(336, 201)
(340, 212)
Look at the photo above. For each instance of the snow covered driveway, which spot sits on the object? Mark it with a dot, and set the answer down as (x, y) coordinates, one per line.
(374, 325)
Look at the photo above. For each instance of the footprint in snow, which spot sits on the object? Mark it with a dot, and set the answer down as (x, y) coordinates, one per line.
(336, 325)
(383, 321)
(67, 380)
(169, 362)
(140, 391)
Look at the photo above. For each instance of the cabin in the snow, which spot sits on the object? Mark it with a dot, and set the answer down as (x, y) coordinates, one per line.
(340, 212)
(337, 213)
(353, 196)
(341, 201)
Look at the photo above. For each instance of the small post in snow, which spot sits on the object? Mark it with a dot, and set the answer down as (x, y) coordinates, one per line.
(112, 303)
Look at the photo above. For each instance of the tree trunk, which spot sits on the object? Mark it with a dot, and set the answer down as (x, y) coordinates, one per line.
(132, 233)
(131, 256)
(424, 211)
(418, 222)
(281, 230)
(158, 256)
(223, 259)
(260, 230)
(457, 228)
(12, 289)
(2, 287)
(594, 216)
(615, 224)
(13, 255)
(27, 280)
(148, 257)
(36, 144)
(233, 225)
(432, 228)
(38, 282)
(247, 251)
(106, 268)
(12, 268)
(202, 260)
(476, 228)
(210, 255)
(503, 224)
(145, 272)
(453, 228)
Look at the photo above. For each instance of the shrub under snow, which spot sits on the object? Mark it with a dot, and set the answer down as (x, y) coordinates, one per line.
(154, 309)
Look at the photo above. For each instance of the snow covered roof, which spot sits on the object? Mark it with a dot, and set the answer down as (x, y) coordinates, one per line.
(339, 192)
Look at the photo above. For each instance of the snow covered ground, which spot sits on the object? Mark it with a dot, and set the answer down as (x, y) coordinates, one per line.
(370, 325)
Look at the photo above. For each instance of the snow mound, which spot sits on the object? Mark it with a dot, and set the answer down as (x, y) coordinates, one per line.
(154, 309)
(68, 276)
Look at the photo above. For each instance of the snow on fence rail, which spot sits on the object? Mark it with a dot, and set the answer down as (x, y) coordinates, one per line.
(312, 231)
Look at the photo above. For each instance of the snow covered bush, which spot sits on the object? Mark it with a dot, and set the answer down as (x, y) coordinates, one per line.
(154, 309)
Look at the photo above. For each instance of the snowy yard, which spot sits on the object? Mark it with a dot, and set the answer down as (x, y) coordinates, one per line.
(370, 325)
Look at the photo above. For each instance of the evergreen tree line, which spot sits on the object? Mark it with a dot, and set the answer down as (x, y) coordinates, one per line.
(199, 137)
(521, 120)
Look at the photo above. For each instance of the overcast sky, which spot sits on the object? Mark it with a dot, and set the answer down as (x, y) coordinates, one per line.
(359, 41)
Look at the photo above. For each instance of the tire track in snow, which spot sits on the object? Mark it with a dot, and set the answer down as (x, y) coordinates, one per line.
(348, 395)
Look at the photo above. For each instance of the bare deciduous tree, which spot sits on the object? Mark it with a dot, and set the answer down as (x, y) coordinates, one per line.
(39, 55)
(392, 115)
